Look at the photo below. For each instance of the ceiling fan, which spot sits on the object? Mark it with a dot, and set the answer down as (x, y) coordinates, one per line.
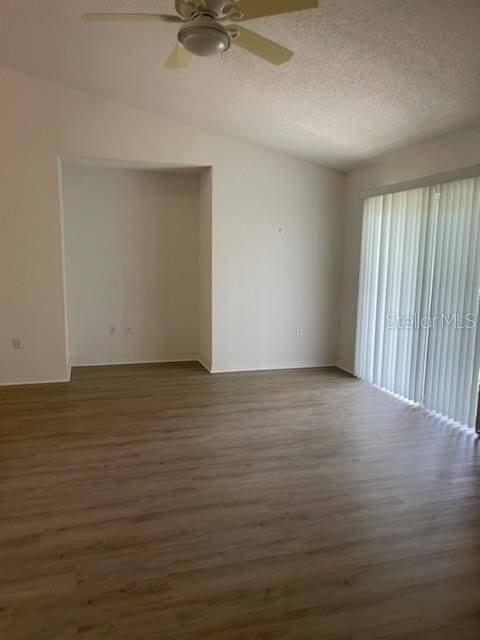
(204, 34)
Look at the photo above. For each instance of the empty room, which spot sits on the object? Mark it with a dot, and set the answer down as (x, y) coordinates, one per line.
(239, 328)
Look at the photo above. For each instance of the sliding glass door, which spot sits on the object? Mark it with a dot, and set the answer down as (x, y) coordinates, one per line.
(418, 298)
(452, 365)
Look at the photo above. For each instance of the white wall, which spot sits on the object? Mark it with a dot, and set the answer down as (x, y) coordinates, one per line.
(450, 153)
(265, 284)
(275, 267)
(131, 256)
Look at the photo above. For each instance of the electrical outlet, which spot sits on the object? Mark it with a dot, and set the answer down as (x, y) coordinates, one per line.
(129, 330)
(112, 329)
(299, 333)
(17, 344)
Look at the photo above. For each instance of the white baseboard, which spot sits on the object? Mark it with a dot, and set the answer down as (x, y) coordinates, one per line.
(134, 362)
(206, 367)
(281, 366)
(342, 368)
(32, 382)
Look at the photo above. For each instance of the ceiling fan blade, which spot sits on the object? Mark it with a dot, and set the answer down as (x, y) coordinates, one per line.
(178, 59)
(107, 17)
(261, 8)
(259, 46)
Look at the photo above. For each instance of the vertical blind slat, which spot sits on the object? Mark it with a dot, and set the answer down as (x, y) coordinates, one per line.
(419, 281)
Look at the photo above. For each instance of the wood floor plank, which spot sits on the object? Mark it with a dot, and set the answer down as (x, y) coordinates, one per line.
(158, 501)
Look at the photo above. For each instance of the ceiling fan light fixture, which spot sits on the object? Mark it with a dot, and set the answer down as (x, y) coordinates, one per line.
(206, 39)
(204, 34)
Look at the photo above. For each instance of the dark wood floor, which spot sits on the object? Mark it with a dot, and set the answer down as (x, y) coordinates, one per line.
(163, 503)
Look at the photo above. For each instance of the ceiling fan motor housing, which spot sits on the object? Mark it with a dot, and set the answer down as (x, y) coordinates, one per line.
(204, 37)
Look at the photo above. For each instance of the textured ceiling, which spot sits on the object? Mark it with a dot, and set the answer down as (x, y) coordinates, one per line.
(368, 76)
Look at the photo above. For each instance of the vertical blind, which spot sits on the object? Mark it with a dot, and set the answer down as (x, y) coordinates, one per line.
(419, 296)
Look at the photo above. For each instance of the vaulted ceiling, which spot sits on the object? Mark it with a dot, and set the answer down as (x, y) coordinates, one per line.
(368, 76)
